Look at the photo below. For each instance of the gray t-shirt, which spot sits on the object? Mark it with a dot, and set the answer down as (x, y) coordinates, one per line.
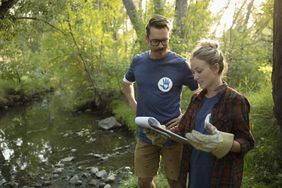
(201, 163)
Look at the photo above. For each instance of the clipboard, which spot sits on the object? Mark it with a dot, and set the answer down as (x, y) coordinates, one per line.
(153, 124)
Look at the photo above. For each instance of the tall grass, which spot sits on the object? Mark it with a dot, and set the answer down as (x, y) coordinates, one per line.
(263, 164)
(160, 181)
(124, 114)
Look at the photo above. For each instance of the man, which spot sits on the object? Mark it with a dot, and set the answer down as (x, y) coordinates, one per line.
(159, 75)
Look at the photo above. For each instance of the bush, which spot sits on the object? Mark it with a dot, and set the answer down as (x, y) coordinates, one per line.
(263, 164)
(124, 114)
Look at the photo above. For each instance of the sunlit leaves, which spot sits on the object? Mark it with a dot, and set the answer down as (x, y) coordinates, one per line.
(247, 48)
(87, 45)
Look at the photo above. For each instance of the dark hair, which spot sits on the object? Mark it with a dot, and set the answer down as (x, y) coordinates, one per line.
(158, 22)
(208, 51)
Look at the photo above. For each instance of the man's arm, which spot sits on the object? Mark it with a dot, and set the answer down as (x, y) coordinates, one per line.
(128, 91)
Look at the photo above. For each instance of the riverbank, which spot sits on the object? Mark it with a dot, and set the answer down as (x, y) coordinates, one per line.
(11, 98)
(44, 144)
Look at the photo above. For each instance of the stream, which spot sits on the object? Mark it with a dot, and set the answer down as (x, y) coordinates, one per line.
(44, 145)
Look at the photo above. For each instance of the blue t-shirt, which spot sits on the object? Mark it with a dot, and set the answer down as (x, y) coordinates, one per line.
(201, 163)
(159, 86)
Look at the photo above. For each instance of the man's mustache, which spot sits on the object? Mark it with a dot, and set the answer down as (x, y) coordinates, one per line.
(159, 49)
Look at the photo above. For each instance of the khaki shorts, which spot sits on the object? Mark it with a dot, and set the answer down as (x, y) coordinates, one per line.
(147, 160)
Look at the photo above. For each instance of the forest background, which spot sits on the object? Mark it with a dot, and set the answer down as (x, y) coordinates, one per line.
(82, 48)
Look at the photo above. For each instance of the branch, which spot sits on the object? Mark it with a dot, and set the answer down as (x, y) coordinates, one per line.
(235, 17)
(41, 20)
(249, 11)
(236, 14)
(82, 60)
(219, 15)
(5, 6)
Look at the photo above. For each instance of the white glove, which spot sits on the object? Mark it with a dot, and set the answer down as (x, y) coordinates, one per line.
(217, 142)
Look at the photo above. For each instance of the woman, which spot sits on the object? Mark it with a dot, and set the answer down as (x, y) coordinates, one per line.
(216, 124)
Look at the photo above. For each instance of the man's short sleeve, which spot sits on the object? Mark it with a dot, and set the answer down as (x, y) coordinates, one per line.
(188, 79)
(129, 77)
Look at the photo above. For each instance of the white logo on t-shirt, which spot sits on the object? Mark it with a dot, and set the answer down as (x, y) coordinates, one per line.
(165, 84)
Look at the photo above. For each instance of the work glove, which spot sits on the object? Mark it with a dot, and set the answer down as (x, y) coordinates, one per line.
(217, 142)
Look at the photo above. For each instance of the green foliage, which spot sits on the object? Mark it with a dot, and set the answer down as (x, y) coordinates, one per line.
(160, 181)
(263, 164)
(131, 182)
(87, 46)
(186, 98)
(197, 24)
(4, 87)
(77, 53)
(248, 48)
(124, 114)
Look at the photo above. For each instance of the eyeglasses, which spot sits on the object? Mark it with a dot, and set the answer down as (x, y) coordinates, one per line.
(156, 42)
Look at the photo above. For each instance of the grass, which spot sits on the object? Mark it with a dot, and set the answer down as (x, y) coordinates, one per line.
(263, 164)
(124, 114)
(160, 181)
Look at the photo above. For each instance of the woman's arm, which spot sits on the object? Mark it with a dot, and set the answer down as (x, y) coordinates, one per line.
(243, 141)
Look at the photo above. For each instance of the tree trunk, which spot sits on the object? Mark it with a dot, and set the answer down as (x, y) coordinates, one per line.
(140, 5)
(159, 7)
(5, 6)
(181, 7)
(277, 62)
(249, 11)
(134, 18)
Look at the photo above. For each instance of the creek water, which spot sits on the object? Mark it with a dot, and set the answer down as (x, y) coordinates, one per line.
(36, 138)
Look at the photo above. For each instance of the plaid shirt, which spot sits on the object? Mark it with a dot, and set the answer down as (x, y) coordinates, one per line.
(230, 114)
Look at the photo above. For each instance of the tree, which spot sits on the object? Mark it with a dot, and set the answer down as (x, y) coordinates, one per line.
(277, 62)
(159, 6)
(247, 46)
(5, 6)
(181, 7)
(193, 21)
(134, 18)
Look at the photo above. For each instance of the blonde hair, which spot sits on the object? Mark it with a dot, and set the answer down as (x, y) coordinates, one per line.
(208, 51)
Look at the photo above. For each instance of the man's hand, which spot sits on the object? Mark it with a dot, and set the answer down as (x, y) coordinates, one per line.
(173, 122)
(217, 142)
(156, 138)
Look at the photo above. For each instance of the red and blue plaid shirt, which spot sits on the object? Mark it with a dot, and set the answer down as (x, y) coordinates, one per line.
(230, 114)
